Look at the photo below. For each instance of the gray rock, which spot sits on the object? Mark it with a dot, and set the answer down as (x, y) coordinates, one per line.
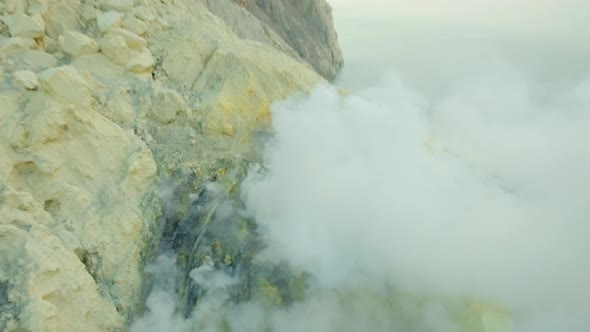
(303, 29)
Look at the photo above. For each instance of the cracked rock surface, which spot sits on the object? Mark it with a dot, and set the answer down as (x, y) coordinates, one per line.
(102, 101)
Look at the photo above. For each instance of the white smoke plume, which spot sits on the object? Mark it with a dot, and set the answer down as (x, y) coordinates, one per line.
(472, 197)
(459, 177)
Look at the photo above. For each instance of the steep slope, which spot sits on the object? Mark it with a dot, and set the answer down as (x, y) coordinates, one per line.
(303, 28)
(100, 103)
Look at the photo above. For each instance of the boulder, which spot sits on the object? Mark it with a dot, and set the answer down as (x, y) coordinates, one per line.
(115, 48)
(141, 63)
(10, 45)
(242, 80)
(27, 79)
(166, 104)
(66, 83)
(132, 39)
(22, 25)
(135, 25)
(110, 19)
(75, 43)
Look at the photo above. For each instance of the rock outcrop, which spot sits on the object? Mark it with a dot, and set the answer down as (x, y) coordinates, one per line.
(303, 29)
(100, 103)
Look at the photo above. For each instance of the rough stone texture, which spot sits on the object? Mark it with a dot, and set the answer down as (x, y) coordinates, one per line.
(174, 91)
(80, 225)
(115, 49)
(118, 5)
(60, 16)
(21, 25)
(259, 78)
(109, 20)
(11, 45)
(75, 43)
(141, 63)
(304, 25)
(135, 25)
(57, 285)
(67, 84)
(27, 79)
(132, 39)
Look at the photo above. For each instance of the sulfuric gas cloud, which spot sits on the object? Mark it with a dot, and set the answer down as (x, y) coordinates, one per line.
(452, 171)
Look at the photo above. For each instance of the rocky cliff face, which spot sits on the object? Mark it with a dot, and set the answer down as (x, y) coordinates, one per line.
(301, 28)
(103, 102)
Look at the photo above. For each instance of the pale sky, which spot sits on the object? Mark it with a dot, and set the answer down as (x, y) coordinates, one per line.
(426, 38)
(551, 16)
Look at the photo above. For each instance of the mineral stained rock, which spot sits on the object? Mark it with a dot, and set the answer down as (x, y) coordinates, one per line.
(100, 103)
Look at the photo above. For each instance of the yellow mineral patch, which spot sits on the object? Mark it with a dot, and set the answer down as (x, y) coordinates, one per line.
(98, 100)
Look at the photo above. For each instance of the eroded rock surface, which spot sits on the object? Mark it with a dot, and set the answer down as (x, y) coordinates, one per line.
(101, 102)
(303, 29)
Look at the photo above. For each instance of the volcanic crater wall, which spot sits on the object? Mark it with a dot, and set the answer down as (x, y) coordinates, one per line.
(105, 102)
